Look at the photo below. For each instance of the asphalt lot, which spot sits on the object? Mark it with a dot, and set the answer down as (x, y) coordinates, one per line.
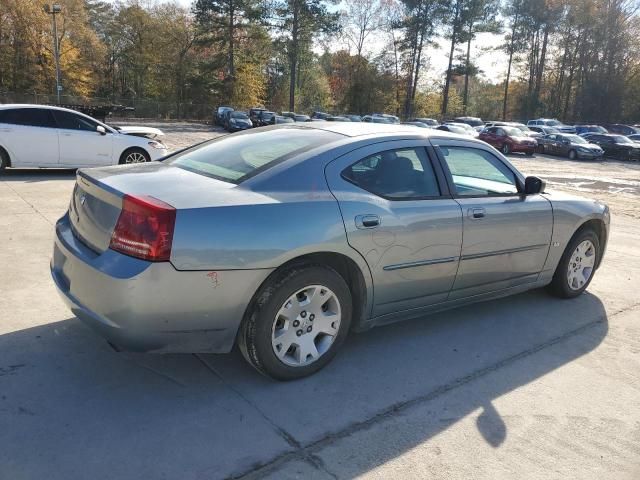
(524, 387)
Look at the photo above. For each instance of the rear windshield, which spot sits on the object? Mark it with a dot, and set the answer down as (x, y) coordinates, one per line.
(236, 158)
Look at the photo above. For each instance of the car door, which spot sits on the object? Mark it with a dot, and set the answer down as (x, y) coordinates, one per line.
(30, 137)
(490, 136)
(81, 145)
(506, 234)
(398, 215)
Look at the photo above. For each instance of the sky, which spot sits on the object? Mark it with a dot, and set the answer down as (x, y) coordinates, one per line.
(492, 64)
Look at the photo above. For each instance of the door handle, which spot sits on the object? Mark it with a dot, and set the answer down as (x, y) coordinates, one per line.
(475, 213)
(367, 221)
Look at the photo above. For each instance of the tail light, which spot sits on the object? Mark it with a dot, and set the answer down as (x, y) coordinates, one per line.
(144, 228)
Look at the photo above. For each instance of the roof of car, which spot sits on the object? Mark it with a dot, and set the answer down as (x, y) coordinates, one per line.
(356, 129)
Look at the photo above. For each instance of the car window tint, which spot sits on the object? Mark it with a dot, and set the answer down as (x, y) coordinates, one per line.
(30, 117)
(476, 172)
(71, 121)
(395, 174)
(234, 159)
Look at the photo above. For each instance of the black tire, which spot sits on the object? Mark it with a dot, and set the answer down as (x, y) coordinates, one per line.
(559, 286)
(254, 337)
(529, 153)
(134, 150)
(4, 159)
(506, 149)
(573, 155)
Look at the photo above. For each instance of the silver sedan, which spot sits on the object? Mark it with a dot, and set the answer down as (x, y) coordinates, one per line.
(285, 239)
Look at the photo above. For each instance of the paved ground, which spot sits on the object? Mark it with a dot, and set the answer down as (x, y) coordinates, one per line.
(524, 387)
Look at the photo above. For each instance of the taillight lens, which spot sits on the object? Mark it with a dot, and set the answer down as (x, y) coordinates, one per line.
(144, 229)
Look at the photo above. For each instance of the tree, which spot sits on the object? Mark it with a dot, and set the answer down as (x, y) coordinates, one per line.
(298, 22)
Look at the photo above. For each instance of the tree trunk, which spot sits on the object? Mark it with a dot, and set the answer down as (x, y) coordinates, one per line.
(232, 28)
(465, 101)
(293, 58)
(454, 35)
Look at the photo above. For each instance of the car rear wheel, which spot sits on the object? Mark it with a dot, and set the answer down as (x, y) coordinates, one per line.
(577, 265)
(506, 149)
(572, 155)
(134, 155)
(297, 322)
(4, 159)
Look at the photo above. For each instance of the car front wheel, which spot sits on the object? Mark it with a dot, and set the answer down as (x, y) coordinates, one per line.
(134, 155)
(297, 322)
(577, 265)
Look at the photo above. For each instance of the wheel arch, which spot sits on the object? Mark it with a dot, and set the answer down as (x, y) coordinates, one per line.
(599, 227)
(129, 149)
(4, 153)
(346, 267)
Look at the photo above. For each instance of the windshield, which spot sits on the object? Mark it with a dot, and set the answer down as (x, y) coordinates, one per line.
(236, 158)
(239, 115)
(473, 122)
(522, 128)
(457, 129)
(552, 123)
(575, 139)
(621, 139)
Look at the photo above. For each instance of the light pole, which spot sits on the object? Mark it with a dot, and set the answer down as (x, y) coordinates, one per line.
(52, 10)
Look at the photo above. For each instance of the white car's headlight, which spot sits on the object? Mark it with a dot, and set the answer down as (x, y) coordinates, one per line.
(156, 144)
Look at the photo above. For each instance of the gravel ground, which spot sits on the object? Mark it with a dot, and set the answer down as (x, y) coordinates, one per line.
(526, 387)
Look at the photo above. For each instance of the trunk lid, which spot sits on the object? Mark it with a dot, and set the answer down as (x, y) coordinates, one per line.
(97, 197)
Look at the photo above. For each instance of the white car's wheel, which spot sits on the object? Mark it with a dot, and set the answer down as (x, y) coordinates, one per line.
(134, 155)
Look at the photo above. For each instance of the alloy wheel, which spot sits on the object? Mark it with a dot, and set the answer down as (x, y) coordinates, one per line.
(306, 326)
(135, 157)
(581, 265)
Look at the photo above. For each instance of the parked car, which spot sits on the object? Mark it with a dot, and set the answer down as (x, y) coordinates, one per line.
(277, 119)
(219, 116)
(264, 117)
(622, 129)
(616, 146)
(416, 124)
(543, 130)
(568, 145)
(320, 115)
(299, 117)
(459, 128)
(468, 129)
(353, 117)
(377, 119)
(337, 118)
(201, 234)
(45, 137)
(509, 139)
(430, 122)
(236, 121)
(635, 137)
(254, 113)
(551, 122)
(384, 116)
(472, 121)
(581, 129)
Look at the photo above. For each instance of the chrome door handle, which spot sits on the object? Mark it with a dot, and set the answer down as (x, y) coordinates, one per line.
(475, 213)
(367, 221)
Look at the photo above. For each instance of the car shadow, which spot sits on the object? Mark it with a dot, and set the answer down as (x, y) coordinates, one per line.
(71, 407)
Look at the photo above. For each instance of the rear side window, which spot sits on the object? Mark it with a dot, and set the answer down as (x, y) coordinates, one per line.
(403, 174)
(71, 121)
(29, 117)
(236, 158)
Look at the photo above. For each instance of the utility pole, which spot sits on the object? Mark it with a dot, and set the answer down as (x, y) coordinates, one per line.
(52, 10)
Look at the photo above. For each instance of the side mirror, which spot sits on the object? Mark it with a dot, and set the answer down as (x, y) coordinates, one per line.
(533, 185)
(101, 130)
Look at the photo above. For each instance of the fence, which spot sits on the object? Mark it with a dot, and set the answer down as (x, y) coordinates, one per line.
(135, 108)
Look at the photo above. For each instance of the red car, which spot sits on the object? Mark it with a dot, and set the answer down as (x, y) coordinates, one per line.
(509, 139)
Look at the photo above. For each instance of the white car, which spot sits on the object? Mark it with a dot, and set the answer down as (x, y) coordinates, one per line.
(53, 137)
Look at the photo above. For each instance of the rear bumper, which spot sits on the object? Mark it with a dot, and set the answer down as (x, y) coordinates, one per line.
(150, 307)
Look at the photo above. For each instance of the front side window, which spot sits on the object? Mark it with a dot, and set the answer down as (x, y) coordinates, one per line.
(236, 158)
(28, 117)
(476, 172)
(71, 121)
(402, 174)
